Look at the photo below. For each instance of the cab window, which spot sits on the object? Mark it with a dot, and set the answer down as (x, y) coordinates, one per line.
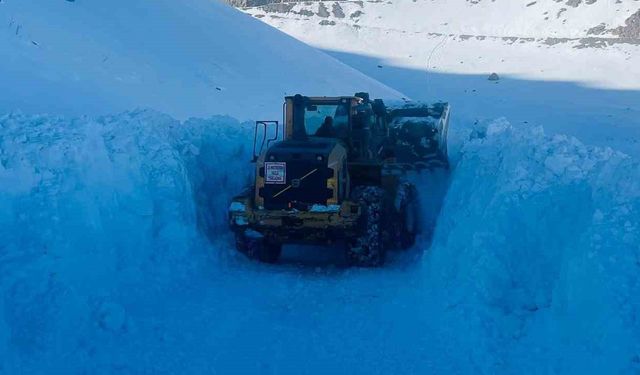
(316, 114)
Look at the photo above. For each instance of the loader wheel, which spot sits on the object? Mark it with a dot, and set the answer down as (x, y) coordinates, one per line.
(441, 161)
(269, 252)
(368, 249)
(408, 220)
(407, 239)
(242, 244)
(258, 248)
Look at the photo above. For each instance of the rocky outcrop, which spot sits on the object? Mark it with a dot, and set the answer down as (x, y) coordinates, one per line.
(631, 29)
(255, 3)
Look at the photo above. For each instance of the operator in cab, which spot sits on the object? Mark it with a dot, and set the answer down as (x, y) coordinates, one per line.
(326, 130)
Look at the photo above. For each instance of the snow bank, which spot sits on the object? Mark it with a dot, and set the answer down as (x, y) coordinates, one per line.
(93, 209)
(537, 253)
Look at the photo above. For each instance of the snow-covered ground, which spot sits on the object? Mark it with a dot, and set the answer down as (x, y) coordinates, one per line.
(114, 251)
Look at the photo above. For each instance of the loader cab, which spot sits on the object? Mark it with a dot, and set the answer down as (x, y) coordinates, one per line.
(305, 169)
(304, 116)
(356, 121)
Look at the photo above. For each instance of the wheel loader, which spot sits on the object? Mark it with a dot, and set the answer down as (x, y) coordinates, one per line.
(335, 171)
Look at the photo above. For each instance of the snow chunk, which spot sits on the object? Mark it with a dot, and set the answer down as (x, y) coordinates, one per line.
(241, 220)
(323, 208)
(250, 233)
(237, 207)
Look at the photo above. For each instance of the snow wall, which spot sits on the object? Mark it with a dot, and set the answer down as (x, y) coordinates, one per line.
(537, 251)
(536, 254)
(93, 209)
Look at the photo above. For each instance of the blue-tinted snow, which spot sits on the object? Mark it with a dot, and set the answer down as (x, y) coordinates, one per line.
(115, 259)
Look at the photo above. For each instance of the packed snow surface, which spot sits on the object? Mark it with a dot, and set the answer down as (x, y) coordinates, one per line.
(115, 259)
(185, 58)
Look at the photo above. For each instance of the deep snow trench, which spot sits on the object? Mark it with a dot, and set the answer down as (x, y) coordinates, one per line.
(114, 257)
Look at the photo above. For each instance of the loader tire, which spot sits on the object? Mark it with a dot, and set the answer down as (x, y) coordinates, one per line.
(242, 244)
(269, 252)
(408, 216)
(367, 249)
(440, 161)
(258, 248)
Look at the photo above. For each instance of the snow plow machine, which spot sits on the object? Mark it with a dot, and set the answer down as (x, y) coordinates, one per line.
(335, 171)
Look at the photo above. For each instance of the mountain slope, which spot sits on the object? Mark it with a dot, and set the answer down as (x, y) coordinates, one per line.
(544, 18)
(187, 58)
(575, 72)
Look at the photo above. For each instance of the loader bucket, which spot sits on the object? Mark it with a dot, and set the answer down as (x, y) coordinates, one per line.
(419, 134)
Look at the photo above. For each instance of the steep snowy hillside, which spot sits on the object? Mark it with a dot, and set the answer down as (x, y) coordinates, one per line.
(571, 66)
(186, 58)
